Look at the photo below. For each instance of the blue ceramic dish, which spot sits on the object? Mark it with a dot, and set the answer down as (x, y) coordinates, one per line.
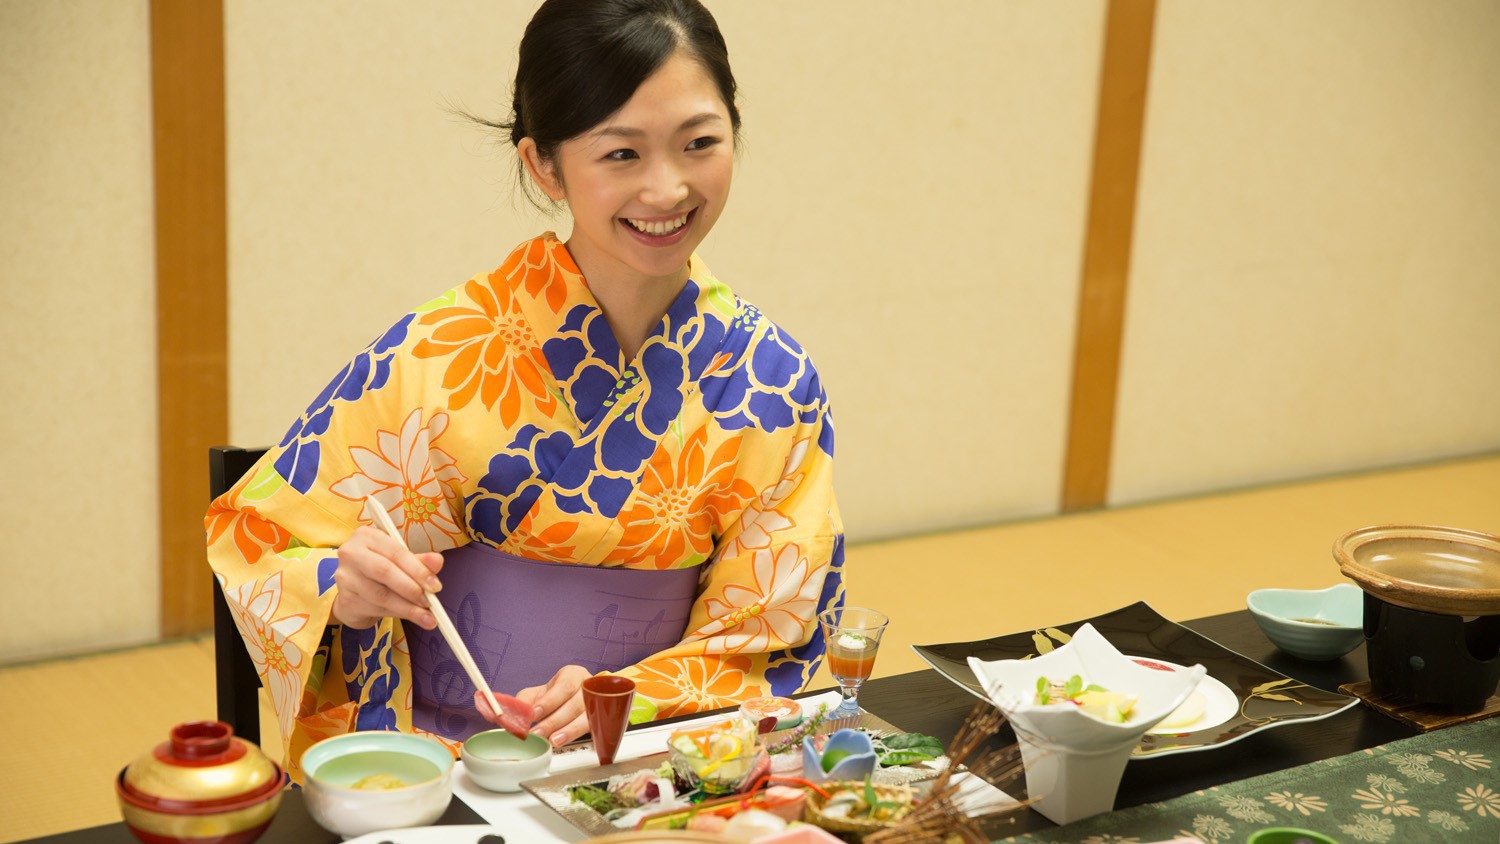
(1314, 624)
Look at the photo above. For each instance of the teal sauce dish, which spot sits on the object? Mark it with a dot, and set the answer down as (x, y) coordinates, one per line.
(1314, 624)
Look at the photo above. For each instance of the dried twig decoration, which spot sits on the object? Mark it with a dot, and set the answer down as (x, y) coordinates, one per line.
(940, 816)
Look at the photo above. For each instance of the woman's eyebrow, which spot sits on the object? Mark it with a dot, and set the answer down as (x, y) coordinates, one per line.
(627, 132)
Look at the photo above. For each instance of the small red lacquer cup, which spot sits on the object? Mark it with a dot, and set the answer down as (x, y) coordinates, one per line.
(606, 702)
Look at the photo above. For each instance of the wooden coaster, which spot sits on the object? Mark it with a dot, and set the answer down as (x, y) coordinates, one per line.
(1422, 717)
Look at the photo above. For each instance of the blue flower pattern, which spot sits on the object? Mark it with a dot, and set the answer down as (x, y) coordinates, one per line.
(773, 387)
(369, 675)
(369, 371)
(769, 386)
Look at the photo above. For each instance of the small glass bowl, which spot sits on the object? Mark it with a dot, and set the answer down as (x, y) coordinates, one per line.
(720, 776)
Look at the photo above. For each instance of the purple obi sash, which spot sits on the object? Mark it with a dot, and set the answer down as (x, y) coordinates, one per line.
(523, 619)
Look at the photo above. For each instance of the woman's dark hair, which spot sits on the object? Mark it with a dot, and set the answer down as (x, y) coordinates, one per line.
(581, 60)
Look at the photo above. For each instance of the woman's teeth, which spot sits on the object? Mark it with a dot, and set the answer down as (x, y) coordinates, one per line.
(658, 228)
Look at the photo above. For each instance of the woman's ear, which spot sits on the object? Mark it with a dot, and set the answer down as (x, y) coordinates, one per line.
(542, 171)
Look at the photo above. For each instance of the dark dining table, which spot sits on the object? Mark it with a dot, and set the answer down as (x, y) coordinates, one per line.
(926, 702)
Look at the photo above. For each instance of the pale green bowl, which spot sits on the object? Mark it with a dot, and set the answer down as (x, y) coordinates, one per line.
(1314, 624)
(498, 761)
(334, 766)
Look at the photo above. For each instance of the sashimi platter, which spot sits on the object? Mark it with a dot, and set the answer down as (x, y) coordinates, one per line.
(755, 772)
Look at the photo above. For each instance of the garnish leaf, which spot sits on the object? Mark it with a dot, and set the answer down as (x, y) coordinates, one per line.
(598, 799)
(1073, 686)
(906, 749)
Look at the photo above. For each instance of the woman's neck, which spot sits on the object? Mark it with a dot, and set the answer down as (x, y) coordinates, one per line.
(633, 305)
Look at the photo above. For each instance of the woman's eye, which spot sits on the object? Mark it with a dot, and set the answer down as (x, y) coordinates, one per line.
(621, 155)
(702, 143)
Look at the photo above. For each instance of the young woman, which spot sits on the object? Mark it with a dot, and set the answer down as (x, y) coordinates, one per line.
(602, 457)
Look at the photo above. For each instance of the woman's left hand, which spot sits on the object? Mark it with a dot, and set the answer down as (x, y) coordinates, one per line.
(559, 705)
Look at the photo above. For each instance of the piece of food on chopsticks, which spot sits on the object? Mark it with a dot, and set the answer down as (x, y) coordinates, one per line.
(514, 716)
(1114, 707)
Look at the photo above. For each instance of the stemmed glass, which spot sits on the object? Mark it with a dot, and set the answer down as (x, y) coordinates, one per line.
(853, 637)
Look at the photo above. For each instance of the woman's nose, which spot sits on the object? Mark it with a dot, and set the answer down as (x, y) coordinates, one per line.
(665, 186)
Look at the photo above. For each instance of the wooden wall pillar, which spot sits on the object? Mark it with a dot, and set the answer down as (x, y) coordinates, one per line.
(1125, 73)
(192, 358)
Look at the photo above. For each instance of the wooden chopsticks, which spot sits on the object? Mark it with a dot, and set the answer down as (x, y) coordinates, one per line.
(445, 625)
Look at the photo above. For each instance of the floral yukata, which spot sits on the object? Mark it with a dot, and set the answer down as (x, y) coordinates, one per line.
(502, 413)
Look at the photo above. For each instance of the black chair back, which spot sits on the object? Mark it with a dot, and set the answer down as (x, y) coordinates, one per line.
(235, 677)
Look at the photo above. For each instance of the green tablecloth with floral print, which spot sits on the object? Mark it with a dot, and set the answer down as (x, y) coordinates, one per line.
(1441, 786)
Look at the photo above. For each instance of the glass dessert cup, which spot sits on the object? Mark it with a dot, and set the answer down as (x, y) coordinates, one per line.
(718, 759)
(853, 637)
(720, 777)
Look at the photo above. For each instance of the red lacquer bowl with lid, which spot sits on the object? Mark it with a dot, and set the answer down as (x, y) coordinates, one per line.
(201, 786)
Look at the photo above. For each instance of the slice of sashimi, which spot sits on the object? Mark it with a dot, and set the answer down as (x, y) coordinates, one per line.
(515, 716)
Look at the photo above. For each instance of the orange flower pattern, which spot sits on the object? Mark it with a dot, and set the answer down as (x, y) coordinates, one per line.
(671, 519)
(694, 684)
(493, 353)
(715, 446)
(253, 536)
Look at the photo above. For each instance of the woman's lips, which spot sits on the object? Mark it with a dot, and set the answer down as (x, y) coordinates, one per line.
(659, 232)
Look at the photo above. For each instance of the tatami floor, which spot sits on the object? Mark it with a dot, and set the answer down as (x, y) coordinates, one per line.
(71, 724)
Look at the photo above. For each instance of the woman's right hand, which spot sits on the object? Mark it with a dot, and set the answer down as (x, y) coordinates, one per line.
(378, 578)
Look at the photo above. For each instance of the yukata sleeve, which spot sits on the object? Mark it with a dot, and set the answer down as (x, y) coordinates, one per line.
(753, 629)
(273, 538)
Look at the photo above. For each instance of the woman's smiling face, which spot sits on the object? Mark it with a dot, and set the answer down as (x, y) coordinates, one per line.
(647, 184)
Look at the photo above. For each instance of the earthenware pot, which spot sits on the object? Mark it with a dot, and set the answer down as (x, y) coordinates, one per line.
(1432, 611)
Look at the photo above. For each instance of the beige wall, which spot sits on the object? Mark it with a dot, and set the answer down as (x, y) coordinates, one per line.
(355, 193)
(77, 332)
(909, 204)
(1313, 290)
(1316, 277)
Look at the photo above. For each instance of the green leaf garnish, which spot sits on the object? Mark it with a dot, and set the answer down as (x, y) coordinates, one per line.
(1073, 686)
(907, 749)
(595, 798)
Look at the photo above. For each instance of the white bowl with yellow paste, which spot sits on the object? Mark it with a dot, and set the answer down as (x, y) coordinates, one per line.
(362, 782)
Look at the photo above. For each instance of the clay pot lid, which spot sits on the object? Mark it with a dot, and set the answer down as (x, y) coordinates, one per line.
(201, 767)
(1424, 567)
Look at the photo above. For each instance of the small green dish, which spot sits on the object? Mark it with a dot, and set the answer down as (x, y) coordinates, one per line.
(1313, 624)
(498, 761)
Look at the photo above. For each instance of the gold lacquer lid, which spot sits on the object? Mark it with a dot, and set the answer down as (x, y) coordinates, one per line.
(202, 762)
